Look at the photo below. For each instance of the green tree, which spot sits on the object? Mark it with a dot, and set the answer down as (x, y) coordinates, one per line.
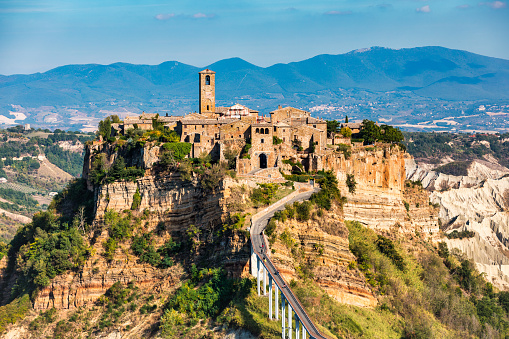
(346, 119)
(346, 132)
(351, 183)
(370, 131)
(391, 134)
(104, 128)
(332, 127)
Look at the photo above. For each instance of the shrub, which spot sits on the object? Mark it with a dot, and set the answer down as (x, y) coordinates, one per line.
(14, 311)
(386, 247)
(271, 227)
(346, 132)
(407, 206)
(136, 200)
(351, 183)
(179, 150)
(457, 168)
(303, 210)
(346, 150)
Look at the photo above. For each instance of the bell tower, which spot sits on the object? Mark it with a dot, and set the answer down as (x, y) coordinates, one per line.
(207, 91)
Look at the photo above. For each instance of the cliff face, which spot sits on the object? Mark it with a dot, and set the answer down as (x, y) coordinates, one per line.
(484, 210)
(319, 249)
(380, 194)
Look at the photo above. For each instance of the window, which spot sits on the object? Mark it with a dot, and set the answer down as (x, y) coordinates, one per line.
(284, 130)
(262, 141)
(314, 126)
(284, 139)
(238, 128)
(257, 130)
(208, 108)
(274, 128)
(266, 131)
(207, 81)
(202, 126)
(262, 131)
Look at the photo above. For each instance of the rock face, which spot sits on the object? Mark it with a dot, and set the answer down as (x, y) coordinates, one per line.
(321, 246)
(178, 203)
(484, 210)
(478, 171)
(380, 194)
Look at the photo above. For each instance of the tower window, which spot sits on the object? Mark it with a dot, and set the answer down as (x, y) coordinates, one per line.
(207, 80)
(266, 131)
(257, 130)
(262, 141)
(208, 109)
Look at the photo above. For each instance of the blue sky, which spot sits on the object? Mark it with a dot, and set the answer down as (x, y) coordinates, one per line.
(36, 36)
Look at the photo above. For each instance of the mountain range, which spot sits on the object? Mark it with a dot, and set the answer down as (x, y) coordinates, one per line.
(423, 72)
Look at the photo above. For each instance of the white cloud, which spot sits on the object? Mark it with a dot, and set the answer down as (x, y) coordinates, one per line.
(423, 9)
(494, 4)
(338, 12)
(165, 16)
(203, 16)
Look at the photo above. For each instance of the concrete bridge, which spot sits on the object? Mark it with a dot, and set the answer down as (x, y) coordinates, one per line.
(294, 318)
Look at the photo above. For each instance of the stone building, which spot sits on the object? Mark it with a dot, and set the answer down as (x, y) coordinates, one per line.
(259, 142)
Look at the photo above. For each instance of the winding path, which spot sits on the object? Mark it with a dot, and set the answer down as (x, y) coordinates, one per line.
(260, 248)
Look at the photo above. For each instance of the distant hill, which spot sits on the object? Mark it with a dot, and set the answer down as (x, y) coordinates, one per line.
(427, 71)
(374, 82)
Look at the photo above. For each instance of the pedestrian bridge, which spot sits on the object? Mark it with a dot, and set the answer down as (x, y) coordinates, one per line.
(283, 304)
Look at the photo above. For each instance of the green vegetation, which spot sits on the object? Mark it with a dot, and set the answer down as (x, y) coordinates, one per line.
(143, 247)
(332, 127)
(14, 311)
(329, 191)
(101, 174)
(20, 202)
(208, 294)
(351, 183)
(276, 140)
(346, 150)
(264, 194)
(432, 294)
(346, 132)
(460, 235)
(458, 168)
(371, 132)
(45, 248)
(294, 164)
(460, 146)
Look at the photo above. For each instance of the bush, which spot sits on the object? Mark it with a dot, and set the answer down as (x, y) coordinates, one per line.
(351, 183)
(14, 311)
(179, 150)
(136, 200)
(271, 227)
(303, 210)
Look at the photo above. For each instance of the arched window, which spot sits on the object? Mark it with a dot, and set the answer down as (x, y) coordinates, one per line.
(207, 80)
(262, 131)
(266, 131)
(257, 130)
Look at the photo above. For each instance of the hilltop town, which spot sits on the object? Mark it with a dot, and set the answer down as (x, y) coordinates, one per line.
(260, 144)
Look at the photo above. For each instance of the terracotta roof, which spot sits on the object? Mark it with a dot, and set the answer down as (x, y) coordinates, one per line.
(207, 71)
(352, 125)
(170, 118)
(207, 121)
(312, 120)
(220, 109)
(137, 121)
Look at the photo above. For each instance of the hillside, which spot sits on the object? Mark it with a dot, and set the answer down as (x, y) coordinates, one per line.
(33, 164)
(141, 247)
(403, 85)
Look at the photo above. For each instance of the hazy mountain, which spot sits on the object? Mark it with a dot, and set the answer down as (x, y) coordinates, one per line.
(375, 82)
(427, 71)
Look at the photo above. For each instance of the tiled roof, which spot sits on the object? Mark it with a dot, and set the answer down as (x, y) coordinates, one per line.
(352, 125)
(207, 71)
(312, 120)
(207, 121)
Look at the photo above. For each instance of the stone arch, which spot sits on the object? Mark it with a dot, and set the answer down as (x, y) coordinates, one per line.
(263, 160)
(257, 130)
(266, 131)
(207, 80)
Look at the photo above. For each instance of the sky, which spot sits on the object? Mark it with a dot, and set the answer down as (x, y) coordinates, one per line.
(36, 36)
